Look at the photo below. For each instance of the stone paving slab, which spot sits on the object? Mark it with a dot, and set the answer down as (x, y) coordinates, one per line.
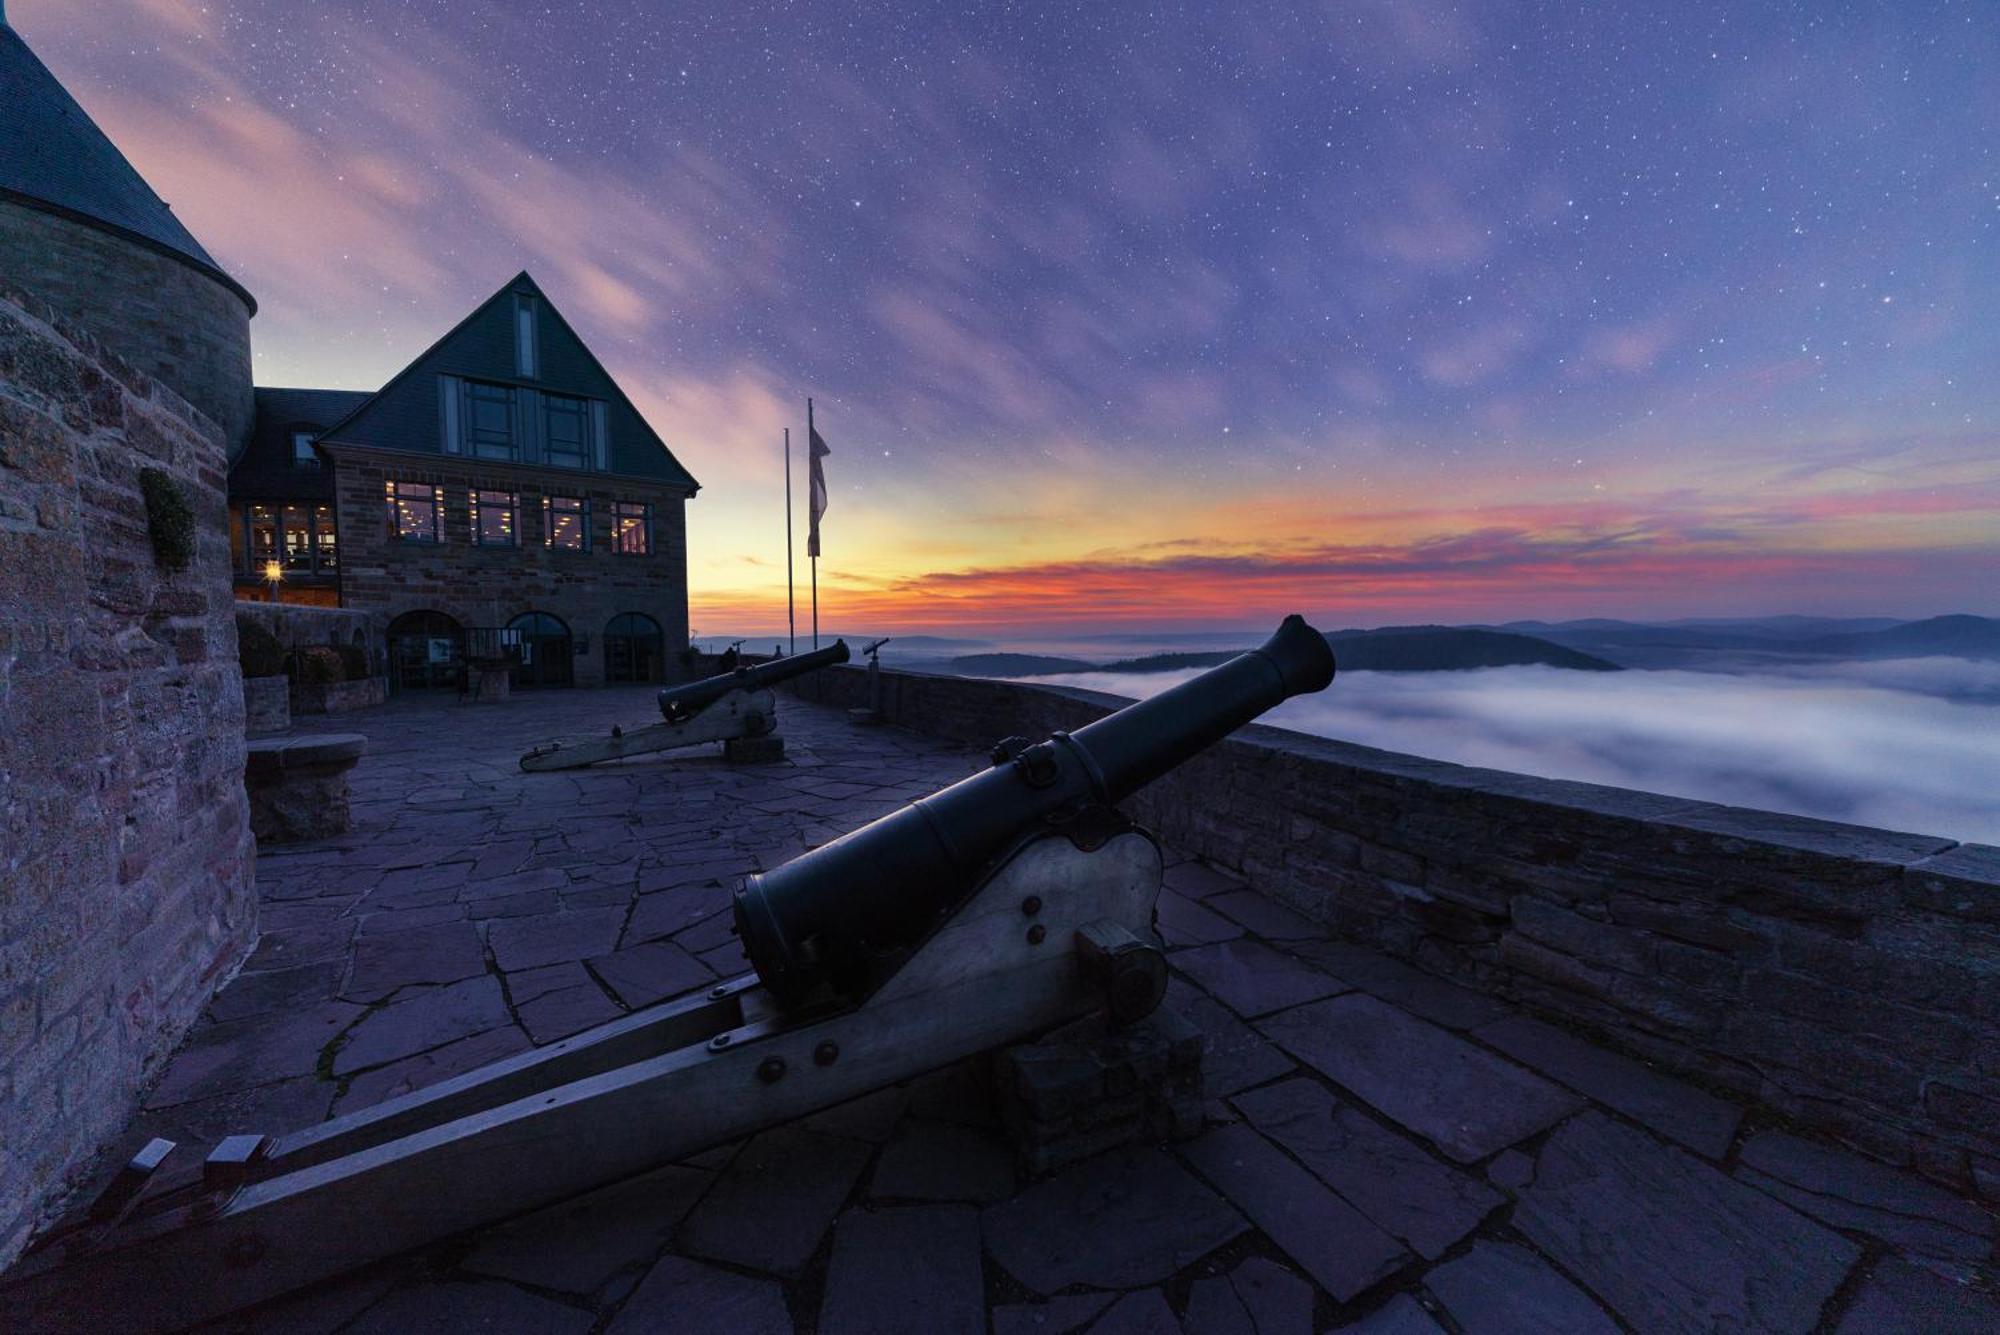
(775, 1201)
(1498, 1288)
(579, 1246)
(1461, 1098)
(1672, 1244)
(913, 1270)
(1401, 1315)
(681, 1296)
(459, 1307)
(1401, 1187)
(1236, 1056)
(1259, 1297)
(1851, 1193)
(1142, 1313)
(1328, 1238)
(937, 1161)
(1898, 1298)
(1252, 979)
(1705, 1124)
(1057, 1316)
(419, 1020)
(1123, 1219)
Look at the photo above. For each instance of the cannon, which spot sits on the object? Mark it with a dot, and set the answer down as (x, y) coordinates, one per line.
(735, 708)
(994, 910)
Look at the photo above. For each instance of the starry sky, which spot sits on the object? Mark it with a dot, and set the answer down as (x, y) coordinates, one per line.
(1153, 316)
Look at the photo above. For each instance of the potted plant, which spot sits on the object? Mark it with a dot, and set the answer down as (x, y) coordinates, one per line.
(267, 705)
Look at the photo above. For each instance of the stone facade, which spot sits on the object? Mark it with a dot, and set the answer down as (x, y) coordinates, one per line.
(162, 315)
(124, 843)
(488, 586)
(1847, 977)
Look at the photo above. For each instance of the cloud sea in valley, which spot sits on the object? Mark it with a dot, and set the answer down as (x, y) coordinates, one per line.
(1909, 745)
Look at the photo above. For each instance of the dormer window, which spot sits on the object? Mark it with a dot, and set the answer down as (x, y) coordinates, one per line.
(527, 344)
(303, 453)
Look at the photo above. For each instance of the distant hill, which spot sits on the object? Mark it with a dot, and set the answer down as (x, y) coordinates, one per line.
(1946, 636)
(1748, 642)
(1395, 649)
(1452, 649)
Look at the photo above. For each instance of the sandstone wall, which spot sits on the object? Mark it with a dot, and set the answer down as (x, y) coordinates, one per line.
(490, 586)
(1847, 977)
(125, 850)
(164, 317)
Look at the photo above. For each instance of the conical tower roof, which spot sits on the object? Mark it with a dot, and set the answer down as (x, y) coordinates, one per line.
(53, 157)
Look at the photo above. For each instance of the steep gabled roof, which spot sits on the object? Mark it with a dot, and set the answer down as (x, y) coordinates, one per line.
(54, 158)
(391, 417)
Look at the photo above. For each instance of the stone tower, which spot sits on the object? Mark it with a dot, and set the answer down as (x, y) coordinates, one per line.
(81, 229)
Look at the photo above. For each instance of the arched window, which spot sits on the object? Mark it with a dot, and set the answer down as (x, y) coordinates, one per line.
(426, 651)
(634, 648)
(544, 648)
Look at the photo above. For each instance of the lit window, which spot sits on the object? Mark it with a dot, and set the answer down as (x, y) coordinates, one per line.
(415, 514)
(493, 516)
(263, 536)
(566, 523)
(489, 419)
(631, 528)
(303, 454)
(298, 539)
(295, 538)
(565, 431)
(323, 533)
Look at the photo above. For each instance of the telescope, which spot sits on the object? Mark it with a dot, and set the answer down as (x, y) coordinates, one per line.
(995, 910)
(735, 708)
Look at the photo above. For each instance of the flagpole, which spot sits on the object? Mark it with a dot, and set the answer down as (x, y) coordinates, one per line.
(791, 595)
(815, 551)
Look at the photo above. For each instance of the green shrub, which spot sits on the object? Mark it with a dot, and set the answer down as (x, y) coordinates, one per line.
(169, 520)
(316, 666)
(353, 661)
(258, 652)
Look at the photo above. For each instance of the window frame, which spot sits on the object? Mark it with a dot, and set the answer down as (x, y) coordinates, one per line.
(619, 545)
(306, 458)
(321, 531)
(582, 513)
(477, 504)
(477, 444)
(584, 444)
(393, 488)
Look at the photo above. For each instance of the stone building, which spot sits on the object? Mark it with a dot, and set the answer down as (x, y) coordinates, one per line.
(499, 497)
(82, 229)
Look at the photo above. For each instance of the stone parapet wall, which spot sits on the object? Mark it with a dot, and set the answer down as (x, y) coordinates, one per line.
(303, 626)
(1846, 977)
(125, 850)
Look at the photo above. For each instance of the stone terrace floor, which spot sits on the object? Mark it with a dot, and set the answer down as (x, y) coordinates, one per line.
(1384, 1153)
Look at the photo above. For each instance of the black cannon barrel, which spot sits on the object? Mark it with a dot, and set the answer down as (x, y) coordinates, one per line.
(825, 917)
(677, 702)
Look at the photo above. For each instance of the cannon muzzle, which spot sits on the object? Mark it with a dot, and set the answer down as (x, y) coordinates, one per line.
(832, 919)
(679, 702)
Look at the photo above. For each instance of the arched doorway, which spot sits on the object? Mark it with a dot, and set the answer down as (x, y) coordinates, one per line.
(544, 648)
(634, 648)
(426, 651)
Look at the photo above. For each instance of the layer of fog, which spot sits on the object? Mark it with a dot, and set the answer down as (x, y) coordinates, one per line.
(1848, 742)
